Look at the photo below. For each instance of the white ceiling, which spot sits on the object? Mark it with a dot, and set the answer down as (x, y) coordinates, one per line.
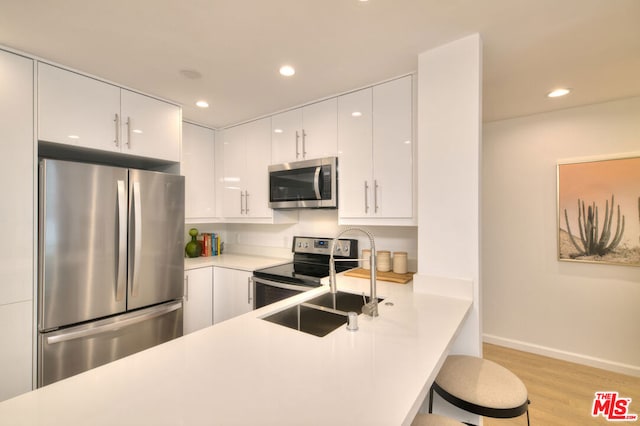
(530, 47)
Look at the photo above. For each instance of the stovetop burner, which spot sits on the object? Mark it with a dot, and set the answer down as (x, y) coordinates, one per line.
(311, 261)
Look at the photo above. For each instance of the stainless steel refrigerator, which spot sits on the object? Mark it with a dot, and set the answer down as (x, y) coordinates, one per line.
(111, 264)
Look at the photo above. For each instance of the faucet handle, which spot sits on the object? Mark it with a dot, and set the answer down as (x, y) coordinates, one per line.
(371, 308)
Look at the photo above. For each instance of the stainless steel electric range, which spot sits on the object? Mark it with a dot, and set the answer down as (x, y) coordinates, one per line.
(310, 264)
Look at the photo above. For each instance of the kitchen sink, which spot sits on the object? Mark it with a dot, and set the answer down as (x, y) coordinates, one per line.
(340, 301)
(321, 315)
(308, 319)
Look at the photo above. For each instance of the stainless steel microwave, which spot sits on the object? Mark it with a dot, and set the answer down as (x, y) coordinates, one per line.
(304, 184)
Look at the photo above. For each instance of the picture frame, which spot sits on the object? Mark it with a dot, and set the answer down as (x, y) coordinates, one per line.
(598, 210)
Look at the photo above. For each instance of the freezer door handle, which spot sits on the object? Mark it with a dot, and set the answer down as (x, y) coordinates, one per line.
(137, 242)
(121, 260)
(115, 325)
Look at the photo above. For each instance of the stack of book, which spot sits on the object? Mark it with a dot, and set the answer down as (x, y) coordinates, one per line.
(210, 244)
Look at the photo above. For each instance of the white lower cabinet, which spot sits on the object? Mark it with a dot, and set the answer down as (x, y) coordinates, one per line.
(17, 171)
(232, 293)
(198, 299)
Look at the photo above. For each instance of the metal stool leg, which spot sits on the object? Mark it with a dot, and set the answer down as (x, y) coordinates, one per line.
(431, 400)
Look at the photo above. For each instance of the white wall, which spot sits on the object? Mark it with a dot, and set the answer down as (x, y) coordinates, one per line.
(449, 147)
(588, 313)
(276, 240)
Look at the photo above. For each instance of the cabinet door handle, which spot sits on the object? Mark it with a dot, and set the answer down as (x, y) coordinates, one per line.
(186, 288)
(249, 290)
(366, 197)
(129, 132)
(117, 124)
(297, 150)
(375, 196)
(304, 144)
(246, 202)
(241, 202)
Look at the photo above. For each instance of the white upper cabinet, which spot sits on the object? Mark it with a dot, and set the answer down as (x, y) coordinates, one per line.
(375, 142)
(150, 128)
(286, 131)
(305, 133)
(245, 179)
(393, 149)
(81, 111)
(247, 154)
(77, 110)
(355, 159)
(198, 168)
(258, 155)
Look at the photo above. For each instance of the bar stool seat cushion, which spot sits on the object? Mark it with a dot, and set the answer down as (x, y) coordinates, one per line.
(482, 387)
(434, 420)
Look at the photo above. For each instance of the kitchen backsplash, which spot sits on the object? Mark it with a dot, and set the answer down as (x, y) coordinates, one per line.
(276, 240)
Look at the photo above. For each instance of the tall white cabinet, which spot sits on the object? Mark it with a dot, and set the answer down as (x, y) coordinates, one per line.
(81, 111)
(198, 166)
(375, 143)
(17, 171)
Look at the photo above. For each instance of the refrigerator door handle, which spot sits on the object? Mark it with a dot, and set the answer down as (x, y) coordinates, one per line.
(121, 267)
(137, 243)
(131, 319)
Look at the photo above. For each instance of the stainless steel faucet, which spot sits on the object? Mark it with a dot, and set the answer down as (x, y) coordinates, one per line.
(370, 308)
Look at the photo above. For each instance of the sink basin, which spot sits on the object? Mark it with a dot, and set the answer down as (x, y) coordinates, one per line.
(340, 301)
(308, 319)
(321, 315)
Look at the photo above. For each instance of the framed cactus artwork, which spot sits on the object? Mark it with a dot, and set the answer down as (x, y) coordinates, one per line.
(599, 211)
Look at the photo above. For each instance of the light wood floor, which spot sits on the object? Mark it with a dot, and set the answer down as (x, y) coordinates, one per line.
(561, 392)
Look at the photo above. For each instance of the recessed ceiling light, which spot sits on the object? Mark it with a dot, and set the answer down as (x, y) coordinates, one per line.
(202, 104)
(277, 130)
(74, 137)
(558, 92)
(356, 114)
(287, 70)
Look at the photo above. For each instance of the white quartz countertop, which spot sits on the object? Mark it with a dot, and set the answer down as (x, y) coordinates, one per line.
(246, 371)
(234, 261)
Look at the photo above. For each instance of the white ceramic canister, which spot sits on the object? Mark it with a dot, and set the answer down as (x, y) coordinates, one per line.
(400, 262)
(383, 261)
(366, 259)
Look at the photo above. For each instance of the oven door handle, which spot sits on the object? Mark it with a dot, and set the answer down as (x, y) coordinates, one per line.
(281, 285)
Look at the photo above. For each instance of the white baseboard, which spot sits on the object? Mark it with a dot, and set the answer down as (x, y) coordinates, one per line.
(630, 370)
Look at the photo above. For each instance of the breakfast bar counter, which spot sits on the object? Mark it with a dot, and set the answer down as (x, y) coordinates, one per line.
(247, 371)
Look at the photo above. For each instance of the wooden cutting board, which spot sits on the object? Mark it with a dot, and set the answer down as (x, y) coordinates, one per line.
(382, 276)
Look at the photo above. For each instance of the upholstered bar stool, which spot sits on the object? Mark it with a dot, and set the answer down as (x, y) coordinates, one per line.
(434, 420)
(481, 387)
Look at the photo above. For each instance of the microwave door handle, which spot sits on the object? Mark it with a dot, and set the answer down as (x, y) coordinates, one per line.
(316, 182)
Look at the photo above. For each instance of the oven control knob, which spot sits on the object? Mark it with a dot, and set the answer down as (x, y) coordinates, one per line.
(306, 245)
